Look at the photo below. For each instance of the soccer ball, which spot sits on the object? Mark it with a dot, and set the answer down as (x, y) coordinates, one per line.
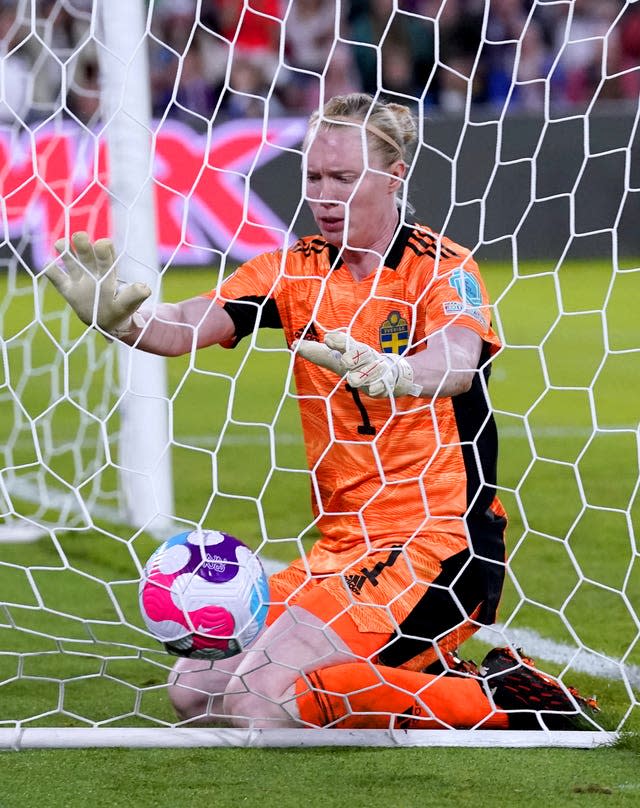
(204, 594)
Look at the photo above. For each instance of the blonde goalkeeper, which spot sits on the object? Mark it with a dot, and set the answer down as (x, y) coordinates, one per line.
(390, 329)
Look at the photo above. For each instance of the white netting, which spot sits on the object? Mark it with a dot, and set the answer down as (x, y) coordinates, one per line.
(529, 157)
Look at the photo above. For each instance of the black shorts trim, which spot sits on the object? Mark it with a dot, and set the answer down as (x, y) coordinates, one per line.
(467, 581)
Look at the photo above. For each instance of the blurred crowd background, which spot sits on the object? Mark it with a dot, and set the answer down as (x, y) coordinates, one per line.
(231, 58)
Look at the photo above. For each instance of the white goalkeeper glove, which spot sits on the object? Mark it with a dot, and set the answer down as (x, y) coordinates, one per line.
(376, 374)
(91, 274)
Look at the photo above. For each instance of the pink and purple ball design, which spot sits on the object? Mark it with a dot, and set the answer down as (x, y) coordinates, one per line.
(204, 594)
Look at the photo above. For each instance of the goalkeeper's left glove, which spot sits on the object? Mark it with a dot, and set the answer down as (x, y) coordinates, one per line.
(376, 374)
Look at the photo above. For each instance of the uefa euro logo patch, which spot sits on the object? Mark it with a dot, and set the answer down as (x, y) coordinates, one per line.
(394, 334)
(467, 286)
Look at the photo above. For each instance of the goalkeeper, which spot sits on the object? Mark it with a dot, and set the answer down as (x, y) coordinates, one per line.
(390, 329)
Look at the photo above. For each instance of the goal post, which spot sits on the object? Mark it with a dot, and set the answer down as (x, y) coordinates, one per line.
(138, 389)
(144, 456)
(161, 128)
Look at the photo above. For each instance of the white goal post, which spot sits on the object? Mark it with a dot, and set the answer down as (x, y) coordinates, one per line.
(105, 450)
(144, 459)
(145, 491)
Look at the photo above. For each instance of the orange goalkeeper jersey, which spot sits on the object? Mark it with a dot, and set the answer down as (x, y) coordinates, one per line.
(383, 470)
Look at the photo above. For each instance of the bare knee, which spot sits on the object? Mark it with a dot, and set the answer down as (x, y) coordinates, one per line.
(262, 693)
(195, 692)
(260, 710)
(262, 699)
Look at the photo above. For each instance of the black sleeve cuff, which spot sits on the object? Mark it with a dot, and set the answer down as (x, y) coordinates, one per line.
(245, 311)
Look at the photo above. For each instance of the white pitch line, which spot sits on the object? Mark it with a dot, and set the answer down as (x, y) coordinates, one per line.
(260, 436)
(592, 663)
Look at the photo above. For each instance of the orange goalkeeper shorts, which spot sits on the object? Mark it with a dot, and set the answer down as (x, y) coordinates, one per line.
(396, 604)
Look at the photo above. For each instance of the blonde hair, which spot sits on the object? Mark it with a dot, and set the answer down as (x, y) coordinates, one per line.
(392, 128)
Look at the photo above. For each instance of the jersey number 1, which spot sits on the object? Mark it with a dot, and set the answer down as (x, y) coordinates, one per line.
(366, 427)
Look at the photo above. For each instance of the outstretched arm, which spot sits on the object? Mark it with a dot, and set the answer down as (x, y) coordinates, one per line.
(172, 329)
(445, 368)
(90, 287)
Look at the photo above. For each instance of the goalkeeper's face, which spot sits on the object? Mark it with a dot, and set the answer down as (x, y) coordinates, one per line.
(351, 193)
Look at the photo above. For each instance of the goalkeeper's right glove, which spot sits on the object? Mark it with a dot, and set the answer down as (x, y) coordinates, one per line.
(91, 274)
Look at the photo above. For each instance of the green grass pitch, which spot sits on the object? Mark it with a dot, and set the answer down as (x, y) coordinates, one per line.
(571, 363)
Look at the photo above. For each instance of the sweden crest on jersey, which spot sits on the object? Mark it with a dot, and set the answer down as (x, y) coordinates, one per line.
(394, 334)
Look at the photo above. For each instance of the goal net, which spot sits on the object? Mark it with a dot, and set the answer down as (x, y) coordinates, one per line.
(177, 129)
